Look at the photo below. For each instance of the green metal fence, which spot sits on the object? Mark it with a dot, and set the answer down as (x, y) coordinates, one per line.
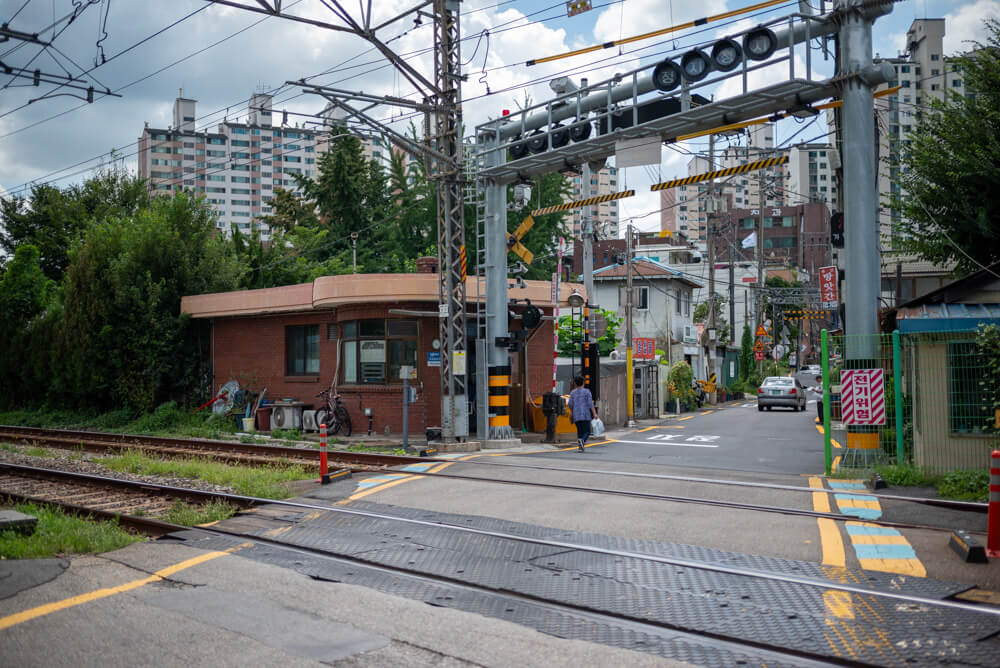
(936, 411)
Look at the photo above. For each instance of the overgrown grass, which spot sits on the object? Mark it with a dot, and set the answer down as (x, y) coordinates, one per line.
(964, 485)
(167, 420)
(59, 534)
(361, 447)
(187, 515)
(266, 482)
(287, 434)
(36, 451)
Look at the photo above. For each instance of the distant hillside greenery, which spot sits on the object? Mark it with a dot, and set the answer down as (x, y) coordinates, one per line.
(91, 275)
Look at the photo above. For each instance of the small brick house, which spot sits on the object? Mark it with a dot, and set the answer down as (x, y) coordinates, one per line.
(353, 332)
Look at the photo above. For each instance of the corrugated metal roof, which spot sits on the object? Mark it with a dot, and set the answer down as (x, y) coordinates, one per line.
(946, 317)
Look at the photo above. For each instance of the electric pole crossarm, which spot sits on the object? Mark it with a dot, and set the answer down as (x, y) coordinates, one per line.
(414, 10)
(6, 34)
(361, 96)
(419, 81)
(402, 141)
(275, 11)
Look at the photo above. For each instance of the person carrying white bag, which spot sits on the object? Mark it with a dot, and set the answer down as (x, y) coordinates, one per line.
(581, 407)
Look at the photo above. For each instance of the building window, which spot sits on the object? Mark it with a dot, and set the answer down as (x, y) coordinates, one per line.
(302, 350)
(374, 350)
(642, 298)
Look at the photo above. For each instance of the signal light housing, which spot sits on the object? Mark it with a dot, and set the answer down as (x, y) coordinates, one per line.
(538, 142)
(666, 76)
(579, 131)
(518, 150)
(560, 136)
(695, 65)
(726, 55)
(759, 44)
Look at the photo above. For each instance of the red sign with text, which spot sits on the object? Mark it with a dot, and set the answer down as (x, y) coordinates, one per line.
(828, 286)
(643, 349)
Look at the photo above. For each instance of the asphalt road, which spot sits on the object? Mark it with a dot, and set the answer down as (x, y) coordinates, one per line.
(735, 437)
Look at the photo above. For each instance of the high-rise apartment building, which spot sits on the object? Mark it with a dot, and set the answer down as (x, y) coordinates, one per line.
(604, 216)
(923, 73)
(237, 168)
(685, 209)
(810, 175)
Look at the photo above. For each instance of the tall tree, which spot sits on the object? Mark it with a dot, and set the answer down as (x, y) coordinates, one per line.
(25, 292)
(53, 219)
(123, 340)
(950, 168)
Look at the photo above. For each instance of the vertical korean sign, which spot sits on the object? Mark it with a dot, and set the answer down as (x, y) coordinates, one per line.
(828, 286)
(862, 395)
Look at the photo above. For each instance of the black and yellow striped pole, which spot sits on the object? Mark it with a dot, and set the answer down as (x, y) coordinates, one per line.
(721, 173)
(590, 201)
(499, 388)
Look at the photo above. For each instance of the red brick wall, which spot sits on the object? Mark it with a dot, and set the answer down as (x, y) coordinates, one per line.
(252, 351)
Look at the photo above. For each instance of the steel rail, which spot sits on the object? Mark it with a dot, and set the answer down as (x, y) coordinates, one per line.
(380, 459)
(72, 438)
(793, 656)
(972, 506)
(671, 561)
(783, 510)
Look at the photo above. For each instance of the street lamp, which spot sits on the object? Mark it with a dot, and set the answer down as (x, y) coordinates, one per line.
(575, 299)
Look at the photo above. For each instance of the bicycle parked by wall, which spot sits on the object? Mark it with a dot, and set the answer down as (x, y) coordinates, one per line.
(334, 415)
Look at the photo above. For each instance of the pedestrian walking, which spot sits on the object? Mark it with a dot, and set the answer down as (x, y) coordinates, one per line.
(581, 407)
(819, 398)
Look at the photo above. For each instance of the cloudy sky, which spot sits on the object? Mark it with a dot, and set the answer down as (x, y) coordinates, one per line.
(148, 50)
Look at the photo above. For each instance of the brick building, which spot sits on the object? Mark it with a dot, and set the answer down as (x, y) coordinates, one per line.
(355, 331)
(793, 235)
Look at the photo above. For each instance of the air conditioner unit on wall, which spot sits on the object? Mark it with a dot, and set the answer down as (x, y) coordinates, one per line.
(286, 417)
(309, 421)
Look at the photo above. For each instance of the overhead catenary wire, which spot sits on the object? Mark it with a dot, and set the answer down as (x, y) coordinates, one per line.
(575, 69)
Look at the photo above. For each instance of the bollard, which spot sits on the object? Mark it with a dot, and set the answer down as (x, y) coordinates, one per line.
(993, 516)
(324, 474)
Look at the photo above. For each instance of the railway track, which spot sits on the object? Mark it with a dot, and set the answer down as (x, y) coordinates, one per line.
(136, 505)
(247, 453)
(112, 497)
(229, 451)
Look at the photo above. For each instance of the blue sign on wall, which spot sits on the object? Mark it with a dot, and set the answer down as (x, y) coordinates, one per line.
(433, 358)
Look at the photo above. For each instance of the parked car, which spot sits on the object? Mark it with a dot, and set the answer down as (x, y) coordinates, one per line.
(812, 369)
(781, 391)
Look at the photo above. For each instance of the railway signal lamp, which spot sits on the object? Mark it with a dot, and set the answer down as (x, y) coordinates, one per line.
(695, 65)
(726, 55)
(579, 131)
(518, 150)
(759, 44)
(538, 142)
(666, 75)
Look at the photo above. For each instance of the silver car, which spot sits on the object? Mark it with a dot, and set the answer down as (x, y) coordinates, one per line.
(781, 391)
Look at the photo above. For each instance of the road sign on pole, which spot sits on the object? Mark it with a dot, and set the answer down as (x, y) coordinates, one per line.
(761, 331)
(758, 355)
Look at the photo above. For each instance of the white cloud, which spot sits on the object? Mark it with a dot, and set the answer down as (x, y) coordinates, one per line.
(967, 24)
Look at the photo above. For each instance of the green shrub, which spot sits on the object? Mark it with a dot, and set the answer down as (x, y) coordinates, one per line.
(965, 485)
(681, 376)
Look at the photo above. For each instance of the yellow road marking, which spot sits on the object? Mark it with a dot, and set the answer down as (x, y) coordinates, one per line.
(862, 539)
(905, 566)
(706, 412)
(639, 431)
(836, 463)
(685, 418)
(397, 481)
(49, 608)
(819, 428)
(831, 542)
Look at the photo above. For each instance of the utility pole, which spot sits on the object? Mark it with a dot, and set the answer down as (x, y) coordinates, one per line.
(629, 373)
(732, 297)
(587, 237)
(760, 248)
(710, 205)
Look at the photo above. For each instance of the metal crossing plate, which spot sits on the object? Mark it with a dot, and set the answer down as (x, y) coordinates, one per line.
(790, 616)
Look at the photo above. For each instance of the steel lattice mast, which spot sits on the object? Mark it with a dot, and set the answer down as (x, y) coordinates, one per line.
(444, 126)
